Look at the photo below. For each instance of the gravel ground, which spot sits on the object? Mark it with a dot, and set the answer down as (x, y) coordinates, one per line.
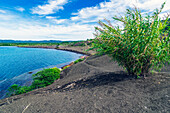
(96, 85)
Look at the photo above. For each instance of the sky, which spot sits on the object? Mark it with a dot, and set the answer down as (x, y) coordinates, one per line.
(64, 19)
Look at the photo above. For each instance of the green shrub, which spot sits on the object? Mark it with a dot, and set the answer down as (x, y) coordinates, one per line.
(78, 60)
(139, 45)
(23, 89)
(45, 77)
(40, 79)
(12, 90)
(16, 90)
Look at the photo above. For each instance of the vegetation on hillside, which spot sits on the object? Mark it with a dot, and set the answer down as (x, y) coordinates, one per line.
(40, 79)
(79, 60)
(77, 43)
(142, 43)
(28, 44)
(38, 43)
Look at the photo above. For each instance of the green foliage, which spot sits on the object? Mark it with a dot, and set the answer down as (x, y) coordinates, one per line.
(40, 79)
(12, 90)
(167, 28)
(23, 89)
(16, 89)
(5, 44)
(65, 67)
(28, 44)
(62, 43)
(137, 47)
(45, 77)
(78, 60)
(81, 43)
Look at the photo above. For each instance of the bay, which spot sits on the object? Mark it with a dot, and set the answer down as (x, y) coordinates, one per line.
(16, 63)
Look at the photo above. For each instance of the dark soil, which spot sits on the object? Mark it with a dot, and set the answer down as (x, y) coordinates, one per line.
(96, 85)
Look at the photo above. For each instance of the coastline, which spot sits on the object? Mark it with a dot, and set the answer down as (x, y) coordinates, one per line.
(25, 79)
(84, 54)
(54, 47)
(75, 51)
(95, 84)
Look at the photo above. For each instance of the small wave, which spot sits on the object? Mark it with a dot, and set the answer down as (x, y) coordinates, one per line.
(2, 81)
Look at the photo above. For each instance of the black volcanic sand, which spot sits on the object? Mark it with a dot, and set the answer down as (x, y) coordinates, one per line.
(96, 85)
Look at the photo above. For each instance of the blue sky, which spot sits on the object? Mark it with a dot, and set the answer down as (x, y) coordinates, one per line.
(63, 19)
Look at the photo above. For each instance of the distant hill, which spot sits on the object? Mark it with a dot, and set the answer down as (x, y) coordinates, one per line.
(30, 41)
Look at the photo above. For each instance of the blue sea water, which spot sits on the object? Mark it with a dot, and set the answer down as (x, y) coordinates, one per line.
(15, 63)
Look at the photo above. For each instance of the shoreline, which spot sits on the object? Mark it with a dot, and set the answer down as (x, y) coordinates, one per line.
(88, 54)
(28, 75)
(55, 47)
(84, 55)
(95, 82)
(25, 79)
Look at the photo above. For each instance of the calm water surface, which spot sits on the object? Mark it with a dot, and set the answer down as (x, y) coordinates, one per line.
(16, 61)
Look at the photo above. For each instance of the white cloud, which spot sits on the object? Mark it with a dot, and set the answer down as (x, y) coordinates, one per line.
(77, 27)
(101, 11)
(21, 9)
(50, 17)
(15, 27)
(114, 7)
(2, 11)
(57, 21)
(6, 17)
(60, 21)
(35, 31)
(51, 7)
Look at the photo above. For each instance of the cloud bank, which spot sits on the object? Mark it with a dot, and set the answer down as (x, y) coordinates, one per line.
(79, 26)
(51, 7)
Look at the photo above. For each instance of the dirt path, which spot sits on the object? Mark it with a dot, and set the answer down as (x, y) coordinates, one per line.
(96, 85)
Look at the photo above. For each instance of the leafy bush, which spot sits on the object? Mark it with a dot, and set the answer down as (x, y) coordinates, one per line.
(12, 90)
(45, 77)
(23, 89)
(40, 79)
(78, 60)
(139, 45)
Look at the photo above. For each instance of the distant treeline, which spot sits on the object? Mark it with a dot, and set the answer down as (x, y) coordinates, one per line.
(39, 43)
(28, 44)
(23, 43)
(30, 41)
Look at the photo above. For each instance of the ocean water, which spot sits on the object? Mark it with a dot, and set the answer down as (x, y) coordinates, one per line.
(16, 63)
